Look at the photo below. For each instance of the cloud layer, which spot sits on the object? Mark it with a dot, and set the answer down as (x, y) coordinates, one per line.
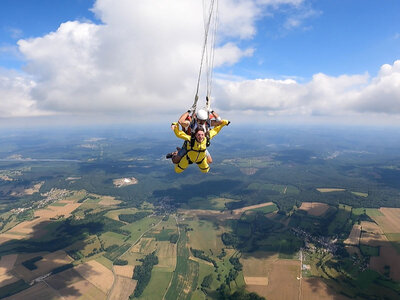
(144, 57)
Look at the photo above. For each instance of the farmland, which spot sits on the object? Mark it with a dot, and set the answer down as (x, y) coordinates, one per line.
(279, 214)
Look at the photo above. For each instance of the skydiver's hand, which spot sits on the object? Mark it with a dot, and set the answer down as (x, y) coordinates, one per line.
(173, 125)
(226, 122)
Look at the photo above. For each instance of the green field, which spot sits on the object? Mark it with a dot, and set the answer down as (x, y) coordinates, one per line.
(372, 212)
(112, 238)
(139, 227)
(205, 236)
(158, 284)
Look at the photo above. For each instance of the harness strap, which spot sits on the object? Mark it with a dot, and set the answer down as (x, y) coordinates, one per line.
(199, 162)
(204, 168)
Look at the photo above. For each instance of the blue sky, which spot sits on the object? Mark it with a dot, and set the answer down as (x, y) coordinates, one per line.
(21, 19)
(340, 37)
(277, 58)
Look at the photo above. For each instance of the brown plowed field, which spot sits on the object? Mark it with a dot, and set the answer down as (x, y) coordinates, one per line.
(314, 208)
(123, 288)
(390, 221)
(96, 274)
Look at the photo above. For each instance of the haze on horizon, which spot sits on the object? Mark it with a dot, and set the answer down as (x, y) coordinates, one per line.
(89, 62)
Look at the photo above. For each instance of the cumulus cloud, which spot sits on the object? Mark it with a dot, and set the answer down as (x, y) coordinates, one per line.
(323, 95)
(143, 59)
(15, 98)
(145, 56)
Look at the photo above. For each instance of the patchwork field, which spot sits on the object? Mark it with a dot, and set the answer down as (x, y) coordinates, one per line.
(314, 208)
(35, 227)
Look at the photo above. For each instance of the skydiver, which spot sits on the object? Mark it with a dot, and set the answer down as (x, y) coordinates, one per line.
(196, 146)
(200, 119)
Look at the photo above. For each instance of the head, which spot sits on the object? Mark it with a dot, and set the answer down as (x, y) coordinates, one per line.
(199, 134)
(202, 116)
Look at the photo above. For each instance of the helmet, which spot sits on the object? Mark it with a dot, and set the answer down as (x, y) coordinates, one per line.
(202, 115)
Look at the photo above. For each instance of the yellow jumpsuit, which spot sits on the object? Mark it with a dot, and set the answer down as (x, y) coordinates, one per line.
(197, 154)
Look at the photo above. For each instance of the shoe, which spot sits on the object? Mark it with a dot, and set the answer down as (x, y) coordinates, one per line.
(169, 155)
(178, 148)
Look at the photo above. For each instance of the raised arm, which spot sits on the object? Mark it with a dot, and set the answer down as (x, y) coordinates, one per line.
(179, 133)
(216, 121)
(213, 132)
(183, 120)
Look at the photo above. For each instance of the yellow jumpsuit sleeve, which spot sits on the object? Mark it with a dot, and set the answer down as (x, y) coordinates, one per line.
(180, 134)
(213, 132)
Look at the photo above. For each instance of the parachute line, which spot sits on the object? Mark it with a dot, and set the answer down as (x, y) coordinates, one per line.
(210, 18)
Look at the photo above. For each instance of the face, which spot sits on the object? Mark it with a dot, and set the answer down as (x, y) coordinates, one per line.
(200, 136)
(201, 122)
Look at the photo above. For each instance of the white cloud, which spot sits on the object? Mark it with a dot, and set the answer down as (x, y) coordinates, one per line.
(15, 98)
(144, 58)
(323, 95)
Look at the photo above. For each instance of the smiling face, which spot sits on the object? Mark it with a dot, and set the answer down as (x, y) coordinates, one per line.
(200, 136)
